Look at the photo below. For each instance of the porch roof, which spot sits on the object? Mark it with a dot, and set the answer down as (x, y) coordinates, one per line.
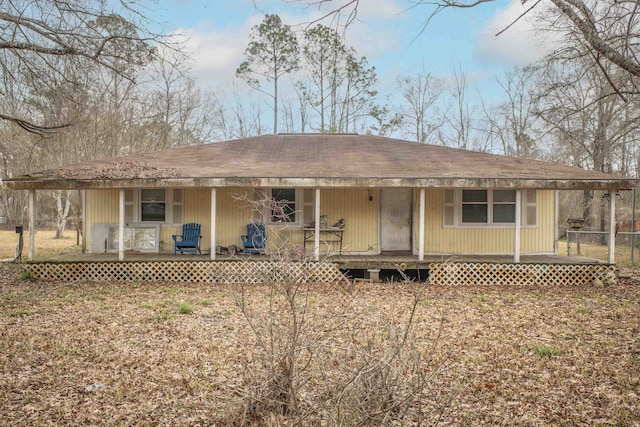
(318, 160)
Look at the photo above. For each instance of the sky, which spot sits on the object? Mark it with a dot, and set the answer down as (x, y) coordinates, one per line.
(390, 36)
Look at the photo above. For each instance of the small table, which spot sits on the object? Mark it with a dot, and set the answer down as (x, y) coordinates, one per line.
(335, 235)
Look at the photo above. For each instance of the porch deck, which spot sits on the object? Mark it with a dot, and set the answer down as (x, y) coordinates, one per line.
(386, 260)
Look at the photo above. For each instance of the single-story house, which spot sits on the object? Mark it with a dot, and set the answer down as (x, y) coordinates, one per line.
(392, 195)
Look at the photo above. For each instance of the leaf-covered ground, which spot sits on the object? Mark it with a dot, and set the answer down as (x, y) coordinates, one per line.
(168, 354)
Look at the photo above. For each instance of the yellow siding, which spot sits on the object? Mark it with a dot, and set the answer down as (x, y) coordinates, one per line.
(494, 240)
(359, 213)
(361, 216)
(166, 241)
(232, 215)
(102, 207)
(353, 205)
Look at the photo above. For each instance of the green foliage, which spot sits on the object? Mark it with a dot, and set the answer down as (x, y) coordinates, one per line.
(70, 351)
(272, 52)
(26, 275)
(161, 317)
(185, 308)
(341, 87)
(19, 313)
(584, 310)
(546, 351)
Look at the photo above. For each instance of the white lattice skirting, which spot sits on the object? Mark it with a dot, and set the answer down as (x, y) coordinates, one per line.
(448, 274)
(189, 271)
(464, 273)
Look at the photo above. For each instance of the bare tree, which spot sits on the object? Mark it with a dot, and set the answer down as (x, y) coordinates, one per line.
(608, 29)
(511, 122)
(37, 36)
(420, 92)
(459, 117)
(590, 124)
(181, 112)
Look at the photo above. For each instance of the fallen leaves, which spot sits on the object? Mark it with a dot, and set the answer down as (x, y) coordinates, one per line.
(105, 353)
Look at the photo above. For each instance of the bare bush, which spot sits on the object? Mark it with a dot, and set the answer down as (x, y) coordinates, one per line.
(332, 372)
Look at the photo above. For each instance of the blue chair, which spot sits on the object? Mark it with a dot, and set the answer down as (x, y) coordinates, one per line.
(255, 240)
(189, 240)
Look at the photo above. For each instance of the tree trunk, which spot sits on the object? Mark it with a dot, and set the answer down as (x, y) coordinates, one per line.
(62, 213)
(587, 208)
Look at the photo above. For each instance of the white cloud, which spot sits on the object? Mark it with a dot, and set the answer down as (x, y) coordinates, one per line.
(520, 44)
(216, 53)
(379, 9)
(366, 34)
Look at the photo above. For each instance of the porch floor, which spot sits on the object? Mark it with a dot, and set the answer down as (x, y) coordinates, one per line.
(390, 260)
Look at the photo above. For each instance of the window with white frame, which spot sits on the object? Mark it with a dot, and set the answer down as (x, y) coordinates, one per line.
(479, 207)
(287, 205)
(154, 205)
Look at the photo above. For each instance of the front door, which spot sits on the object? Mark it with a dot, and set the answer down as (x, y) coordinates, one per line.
(395, 219)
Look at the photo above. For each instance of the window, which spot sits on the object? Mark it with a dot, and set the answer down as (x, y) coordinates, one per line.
(291, 206)
(475, 206)
(472, 207)
(284, 205)
(504, 206)
(154, 205)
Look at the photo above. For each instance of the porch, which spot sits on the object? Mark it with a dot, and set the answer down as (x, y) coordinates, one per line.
(383, 261)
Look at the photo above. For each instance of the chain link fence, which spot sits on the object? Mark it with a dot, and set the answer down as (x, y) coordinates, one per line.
(594, 245)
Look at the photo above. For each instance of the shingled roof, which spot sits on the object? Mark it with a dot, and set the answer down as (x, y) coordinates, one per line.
(318, 160)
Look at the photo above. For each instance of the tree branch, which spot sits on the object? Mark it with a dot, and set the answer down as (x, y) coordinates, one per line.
(44, 131)
(587, 28)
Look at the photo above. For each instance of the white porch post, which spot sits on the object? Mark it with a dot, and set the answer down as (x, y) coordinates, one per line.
(556, 232)
(121, 227)
(421, 227)
(213, 224)
(83, 218)
(516, 249)
(316, 242)
(612, 227)
(32, 224)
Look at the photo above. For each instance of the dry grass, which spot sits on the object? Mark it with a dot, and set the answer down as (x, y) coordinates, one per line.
(601, 253)
(45, 243)
(128, 354)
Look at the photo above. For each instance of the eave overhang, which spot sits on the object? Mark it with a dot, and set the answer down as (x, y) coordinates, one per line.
(320, 182)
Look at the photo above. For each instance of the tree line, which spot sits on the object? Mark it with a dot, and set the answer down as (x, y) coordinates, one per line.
(80, 82)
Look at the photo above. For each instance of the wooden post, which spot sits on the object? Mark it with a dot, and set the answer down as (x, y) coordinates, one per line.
(213, 224)
(83, 218)
(32, 224)
(612, 227)
(421, 226)
(121, 227)
(518, 223)
(316, 242)
(556, 231)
